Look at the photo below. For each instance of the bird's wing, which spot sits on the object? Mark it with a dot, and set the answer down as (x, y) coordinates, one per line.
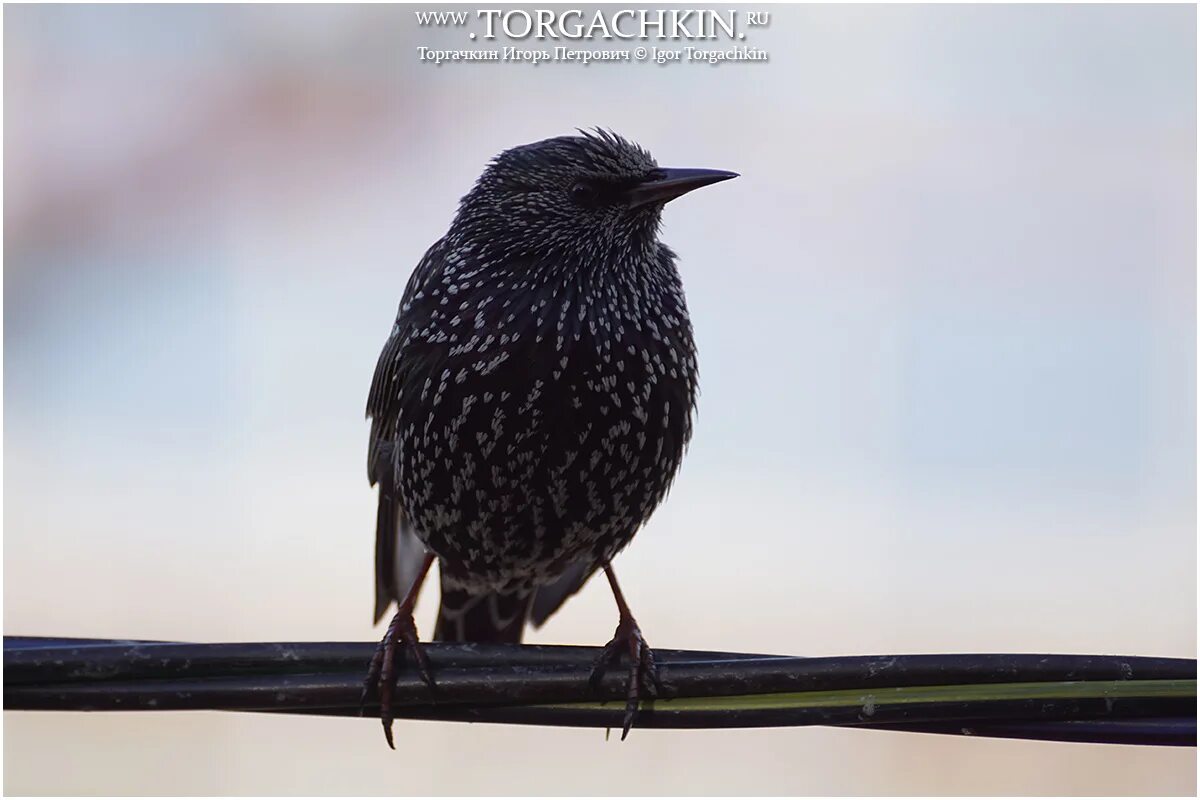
(383, 401)
(398, 555)
(549, 598)
(398, 551)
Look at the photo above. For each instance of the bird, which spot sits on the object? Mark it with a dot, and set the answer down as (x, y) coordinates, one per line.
(532, 404)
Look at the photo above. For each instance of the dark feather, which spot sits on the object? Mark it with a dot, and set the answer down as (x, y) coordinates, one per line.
(490, 617)
(385, 556)
(398, 552)
(549, 598)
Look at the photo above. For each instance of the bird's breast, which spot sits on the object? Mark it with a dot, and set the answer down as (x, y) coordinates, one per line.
(522, 445)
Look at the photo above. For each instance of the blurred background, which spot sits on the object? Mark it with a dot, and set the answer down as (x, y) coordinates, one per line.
(965, 236)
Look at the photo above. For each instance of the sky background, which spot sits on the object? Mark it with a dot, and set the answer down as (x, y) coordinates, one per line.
(946, 322)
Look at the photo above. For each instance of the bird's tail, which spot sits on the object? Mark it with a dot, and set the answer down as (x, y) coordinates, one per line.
(491, 617)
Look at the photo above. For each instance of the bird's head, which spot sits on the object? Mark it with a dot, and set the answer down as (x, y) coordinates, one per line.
(591, 193)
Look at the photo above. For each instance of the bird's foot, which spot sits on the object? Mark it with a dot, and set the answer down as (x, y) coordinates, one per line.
(381, 675)
(643, 672)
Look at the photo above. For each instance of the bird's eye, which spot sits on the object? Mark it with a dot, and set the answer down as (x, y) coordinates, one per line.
(584, 194)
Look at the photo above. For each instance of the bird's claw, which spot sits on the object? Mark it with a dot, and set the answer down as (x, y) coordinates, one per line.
(643, 672)
(381, 675)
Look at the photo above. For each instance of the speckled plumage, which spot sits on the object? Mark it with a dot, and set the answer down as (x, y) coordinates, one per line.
(532, 404)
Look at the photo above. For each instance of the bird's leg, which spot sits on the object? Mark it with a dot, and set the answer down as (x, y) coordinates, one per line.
(643, 673)
(381, 674)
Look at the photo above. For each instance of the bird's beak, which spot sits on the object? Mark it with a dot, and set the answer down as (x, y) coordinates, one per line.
(667, 184)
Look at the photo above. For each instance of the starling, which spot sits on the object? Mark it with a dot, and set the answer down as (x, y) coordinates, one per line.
(533, 401)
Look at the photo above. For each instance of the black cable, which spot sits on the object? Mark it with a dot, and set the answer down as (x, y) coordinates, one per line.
(1067, 697)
